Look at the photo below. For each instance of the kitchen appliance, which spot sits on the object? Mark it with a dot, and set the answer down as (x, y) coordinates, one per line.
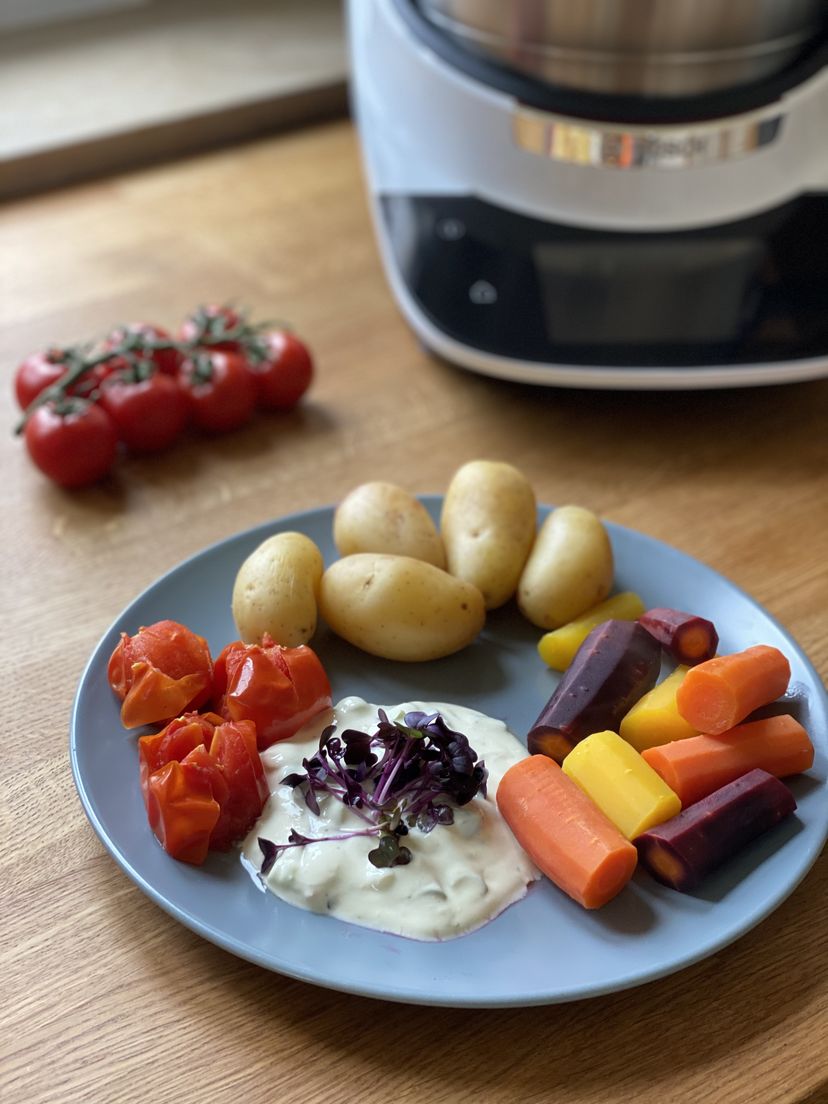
(602, 193)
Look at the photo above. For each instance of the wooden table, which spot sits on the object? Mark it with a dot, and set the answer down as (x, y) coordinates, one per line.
(107, 999)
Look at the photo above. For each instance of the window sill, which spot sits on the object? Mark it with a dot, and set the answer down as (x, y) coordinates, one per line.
(108, 93)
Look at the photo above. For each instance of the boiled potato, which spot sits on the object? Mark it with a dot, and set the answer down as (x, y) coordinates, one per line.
(400, 608)
(276, 590)
(488, 526)
(382, 517)
(569, 569)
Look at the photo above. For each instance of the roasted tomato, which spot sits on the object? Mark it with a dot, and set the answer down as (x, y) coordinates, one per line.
(160, 672)
(182, 811)
(203, 783)
(72, 441)
(233, 749)
(277, 688)
(283, 372)
(175, 741)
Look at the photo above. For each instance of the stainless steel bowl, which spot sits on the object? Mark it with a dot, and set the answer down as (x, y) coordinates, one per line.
(646, 47)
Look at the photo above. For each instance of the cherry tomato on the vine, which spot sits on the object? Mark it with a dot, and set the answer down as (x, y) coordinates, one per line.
(37, 372)
(150, 411)
(141, 335)
(41, 370)
(285, 373)
(221, 388)
(207, 325)
(73, 441)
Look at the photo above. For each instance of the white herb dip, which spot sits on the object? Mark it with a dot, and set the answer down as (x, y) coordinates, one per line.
(460, 876)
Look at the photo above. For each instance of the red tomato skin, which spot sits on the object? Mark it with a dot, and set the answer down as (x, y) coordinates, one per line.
(174, 742)
(37, 372)
(182, 811)
(284, 377)
(224, 401)
(233, 749)
(74, 449)
(161, 672)
(167, 361)
(41, 370)
(200, 760)
(149, 415)
(277, 688)
(203, 783)
(218, 317)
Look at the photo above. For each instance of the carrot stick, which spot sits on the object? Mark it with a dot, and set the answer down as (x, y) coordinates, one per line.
(695, 767)
(719, 693)
(564, 833)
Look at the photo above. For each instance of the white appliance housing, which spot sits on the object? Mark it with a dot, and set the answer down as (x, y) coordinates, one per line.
(552, 248)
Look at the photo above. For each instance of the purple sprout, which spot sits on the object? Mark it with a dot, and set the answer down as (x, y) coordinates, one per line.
(409, 773)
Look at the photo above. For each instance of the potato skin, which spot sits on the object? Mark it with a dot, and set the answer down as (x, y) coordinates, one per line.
(488, 525)
(276, 590)
(569, 569)
(399, 608)
(382, 517)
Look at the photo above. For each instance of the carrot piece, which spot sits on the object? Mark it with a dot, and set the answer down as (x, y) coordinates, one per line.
(564, 833)
(655, 719)
(721, 692)
(623, 786)
(557, 648)
(688, 638)
(681, 852)
(697, 766)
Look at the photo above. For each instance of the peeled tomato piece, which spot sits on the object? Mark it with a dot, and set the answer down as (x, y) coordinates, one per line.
(625, 788)
(683, 851)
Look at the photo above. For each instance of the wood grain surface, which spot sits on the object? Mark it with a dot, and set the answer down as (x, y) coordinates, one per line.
(107, 999)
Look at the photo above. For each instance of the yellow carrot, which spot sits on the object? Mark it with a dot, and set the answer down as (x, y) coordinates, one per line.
(655, 719)
(557, 648)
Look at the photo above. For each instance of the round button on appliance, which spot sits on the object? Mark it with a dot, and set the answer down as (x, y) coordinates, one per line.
(451, 229)
(482, 293)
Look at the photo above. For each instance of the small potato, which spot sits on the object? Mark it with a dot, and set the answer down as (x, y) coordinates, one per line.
(488, 526)
(400, 608)
(382, 517)
(276, 590)
(569, 569)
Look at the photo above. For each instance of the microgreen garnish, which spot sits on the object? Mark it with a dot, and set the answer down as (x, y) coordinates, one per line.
(408, 773)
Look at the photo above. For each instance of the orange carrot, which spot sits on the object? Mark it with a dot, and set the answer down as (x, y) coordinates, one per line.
(695, 767)
(564, 833)
(719, 693)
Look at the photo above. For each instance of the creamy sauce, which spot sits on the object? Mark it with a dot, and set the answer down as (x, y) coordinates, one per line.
(460, 876)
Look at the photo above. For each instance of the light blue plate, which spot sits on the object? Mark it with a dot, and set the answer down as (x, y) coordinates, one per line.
(542, 950)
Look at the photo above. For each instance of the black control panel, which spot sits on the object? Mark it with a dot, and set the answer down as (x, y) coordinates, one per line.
(750, 291)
